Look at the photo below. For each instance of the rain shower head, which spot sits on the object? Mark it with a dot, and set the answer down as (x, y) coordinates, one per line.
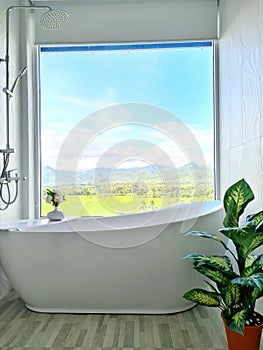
(54, 19)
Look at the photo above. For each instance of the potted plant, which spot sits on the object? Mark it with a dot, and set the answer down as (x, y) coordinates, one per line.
(236, 277)
(55, 198)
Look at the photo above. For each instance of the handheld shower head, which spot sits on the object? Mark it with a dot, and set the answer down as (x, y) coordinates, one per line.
(19, 76)
(54, 19)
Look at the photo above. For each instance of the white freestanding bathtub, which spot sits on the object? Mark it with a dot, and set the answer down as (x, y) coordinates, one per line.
(123, 264)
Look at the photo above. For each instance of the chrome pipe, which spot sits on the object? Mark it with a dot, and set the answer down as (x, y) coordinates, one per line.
(7, 90)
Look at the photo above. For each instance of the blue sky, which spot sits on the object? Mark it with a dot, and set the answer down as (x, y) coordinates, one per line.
(76, 86)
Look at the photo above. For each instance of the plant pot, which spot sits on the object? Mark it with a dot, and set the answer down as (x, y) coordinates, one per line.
(249, 341)
(55, 215)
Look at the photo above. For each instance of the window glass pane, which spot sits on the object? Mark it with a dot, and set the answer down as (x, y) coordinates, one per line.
(127, 128)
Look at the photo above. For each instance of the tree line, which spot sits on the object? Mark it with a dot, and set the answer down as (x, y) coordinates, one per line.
(142, 189)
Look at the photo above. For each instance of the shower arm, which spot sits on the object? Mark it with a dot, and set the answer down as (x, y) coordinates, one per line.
(6, 60)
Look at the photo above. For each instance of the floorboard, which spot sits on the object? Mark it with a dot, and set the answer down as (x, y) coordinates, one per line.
(197, 329)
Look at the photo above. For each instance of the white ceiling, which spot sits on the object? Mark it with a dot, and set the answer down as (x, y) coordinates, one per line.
(100, 21)
(86, 2)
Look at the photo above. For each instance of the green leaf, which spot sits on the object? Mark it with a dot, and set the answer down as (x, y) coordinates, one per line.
(237, 322)
(195, 256)
(256, 242)
(258, 220)
(203, 297)
(214, 274)
(258, 217)
(235, 201)
(205, 235)
(231, 218)
(254, 267)
(232, 295)
(259, 227)
(255, 294)
(245, 238)
(220, 262)
(241, 235)
(202, 234)
(250, 260)
(255, 281)
(49, 192)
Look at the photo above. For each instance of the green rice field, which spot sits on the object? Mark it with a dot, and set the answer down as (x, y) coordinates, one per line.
(83, 205)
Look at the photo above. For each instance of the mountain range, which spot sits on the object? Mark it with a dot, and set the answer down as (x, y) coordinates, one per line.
(51, 176)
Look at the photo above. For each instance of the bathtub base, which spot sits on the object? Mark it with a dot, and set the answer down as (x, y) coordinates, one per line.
(130, 264)
(110, 311)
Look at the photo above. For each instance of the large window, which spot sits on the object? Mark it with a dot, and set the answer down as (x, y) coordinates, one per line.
(127, 128)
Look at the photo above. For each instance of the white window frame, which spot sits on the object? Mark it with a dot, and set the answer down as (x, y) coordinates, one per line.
(37, 107)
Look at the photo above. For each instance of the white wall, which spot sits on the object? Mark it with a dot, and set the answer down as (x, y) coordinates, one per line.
(241, 95)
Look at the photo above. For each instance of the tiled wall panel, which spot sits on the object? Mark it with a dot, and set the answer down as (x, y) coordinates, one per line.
(241, 95)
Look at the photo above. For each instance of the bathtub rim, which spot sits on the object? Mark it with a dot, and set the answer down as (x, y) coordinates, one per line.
(29, 225)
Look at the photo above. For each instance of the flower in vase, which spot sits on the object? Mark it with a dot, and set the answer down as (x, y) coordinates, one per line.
(54, 197)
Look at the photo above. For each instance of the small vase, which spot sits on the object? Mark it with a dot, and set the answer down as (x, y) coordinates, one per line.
(55, 215)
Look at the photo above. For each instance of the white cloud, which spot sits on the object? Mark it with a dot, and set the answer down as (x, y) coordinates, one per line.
(131, 145)
(51, 144)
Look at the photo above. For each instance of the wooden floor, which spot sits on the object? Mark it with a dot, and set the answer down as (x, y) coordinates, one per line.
(199, 329)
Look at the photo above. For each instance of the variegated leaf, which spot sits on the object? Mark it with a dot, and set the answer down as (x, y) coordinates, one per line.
(237, 322)
(259, 227)
(243, 235)
(236, 199)
(256, 242)
(254, 267)
(204, 235)
(257, 218)
(255, 281)
(250, 260)
(220, 262)
(232, 295)
(203, 297)
(256, 294)
(215, 275)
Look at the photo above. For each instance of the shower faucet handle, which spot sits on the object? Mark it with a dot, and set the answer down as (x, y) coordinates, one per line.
(8, 172)
(17, 178)
(8, 178)
(7, 150)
